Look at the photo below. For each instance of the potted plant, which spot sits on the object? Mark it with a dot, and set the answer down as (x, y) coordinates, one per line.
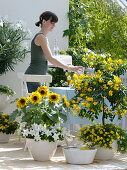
(101, 94)
(104, 136)
(40, 116)
(12, 46)
(12, 50)
(5, 93)
(6, 127)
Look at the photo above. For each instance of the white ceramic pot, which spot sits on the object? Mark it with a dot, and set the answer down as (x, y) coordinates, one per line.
(41, 150)
(4, 100)
(74, 155)
(4, 138)
(106, 154)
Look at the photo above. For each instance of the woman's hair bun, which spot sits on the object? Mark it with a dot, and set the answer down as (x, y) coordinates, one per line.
(37, 23)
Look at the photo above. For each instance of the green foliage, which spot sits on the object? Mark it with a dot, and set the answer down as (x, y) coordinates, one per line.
(58, 77)
(7, 126)
(12, 49)
(100, 25)
(6, 90)
(103, 136)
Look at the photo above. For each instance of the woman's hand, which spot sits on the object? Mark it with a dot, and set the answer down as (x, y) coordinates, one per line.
(79, 69)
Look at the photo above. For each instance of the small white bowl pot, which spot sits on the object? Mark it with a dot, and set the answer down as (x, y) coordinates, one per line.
(74, 155)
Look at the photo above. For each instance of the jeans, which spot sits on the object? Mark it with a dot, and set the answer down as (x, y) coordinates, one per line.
(32, 86)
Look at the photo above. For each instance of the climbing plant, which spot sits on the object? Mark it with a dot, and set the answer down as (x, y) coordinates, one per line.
(100, 25)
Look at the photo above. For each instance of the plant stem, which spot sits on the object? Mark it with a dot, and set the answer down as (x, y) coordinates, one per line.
(103, 119)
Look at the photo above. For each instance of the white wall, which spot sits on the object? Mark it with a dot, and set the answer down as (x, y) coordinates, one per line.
(29, 11)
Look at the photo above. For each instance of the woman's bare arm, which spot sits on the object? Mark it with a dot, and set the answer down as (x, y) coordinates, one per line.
(42, 41)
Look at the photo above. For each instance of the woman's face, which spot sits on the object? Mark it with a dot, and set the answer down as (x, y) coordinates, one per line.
(48, 25)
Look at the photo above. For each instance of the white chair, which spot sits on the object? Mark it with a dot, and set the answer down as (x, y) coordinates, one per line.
(45, 79)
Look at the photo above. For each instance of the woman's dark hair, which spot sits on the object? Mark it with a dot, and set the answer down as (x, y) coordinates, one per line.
(47, 15)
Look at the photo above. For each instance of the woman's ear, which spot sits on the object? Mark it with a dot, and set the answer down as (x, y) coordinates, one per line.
(43, 21)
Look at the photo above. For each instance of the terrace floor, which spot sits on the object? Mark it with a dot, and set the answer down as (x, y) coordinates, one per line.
(13, 157)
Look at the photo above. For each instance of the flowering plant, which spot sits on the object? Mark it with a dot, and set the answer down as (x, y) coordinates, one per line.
(12, 45)
(103, 136)
(6, 126)
(41, 115)
(100, 93)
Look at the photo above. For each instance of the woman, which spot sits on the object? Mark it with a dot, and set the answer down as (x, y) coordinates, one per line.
(40, 50)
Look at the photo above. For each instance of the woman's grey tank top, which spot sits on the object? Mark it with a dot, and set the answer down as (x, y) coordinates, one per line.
(38, 64)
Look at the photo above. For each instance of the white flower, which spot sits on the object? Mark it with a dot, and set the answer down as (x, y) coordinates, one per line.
(1, 23)
(61, 81)
(66, 73)
(48, 133)
(22, 125)
(68, 77)
(8, 40)
(37, 137)
(18, 26)
(56, 136)
(25, 132)
(32, 132)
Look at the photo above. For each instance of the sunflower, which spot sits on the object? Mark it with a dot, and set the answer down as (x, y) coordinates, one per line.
(22, 102)
(43, 91)
(35, 97)
(54, 97)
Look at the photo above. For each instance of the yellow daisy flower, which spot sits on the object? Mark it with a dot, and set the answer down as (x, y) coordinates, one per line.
(35, 97)
(54, 97)
(22, 102)
(43, 90)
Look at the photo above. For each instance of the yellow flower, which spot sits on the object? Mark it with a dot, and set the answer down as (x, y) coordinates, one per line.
(89, 89)
(122, 114)
(81, 95)
(110, 93)
(87, 105)
(22, 102)
(111, 69)
(90, 64)
(95, 103)
(83, 59)
(109, 83)
(54, 97)
(120, 61)
(105, 87)
(91, 56)
(89, 98)
(117, 79)
(100, 80)
(35, 97)
(115, 113)
(116, 86)
(75, 76)
(99, 72)
(43, 90)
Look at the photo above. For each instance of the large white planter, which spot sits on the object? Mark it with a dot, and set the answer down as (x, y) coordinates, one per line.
(4, 138)
(106, 154)
(74, 155)
(4, 99)
(41, 150)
